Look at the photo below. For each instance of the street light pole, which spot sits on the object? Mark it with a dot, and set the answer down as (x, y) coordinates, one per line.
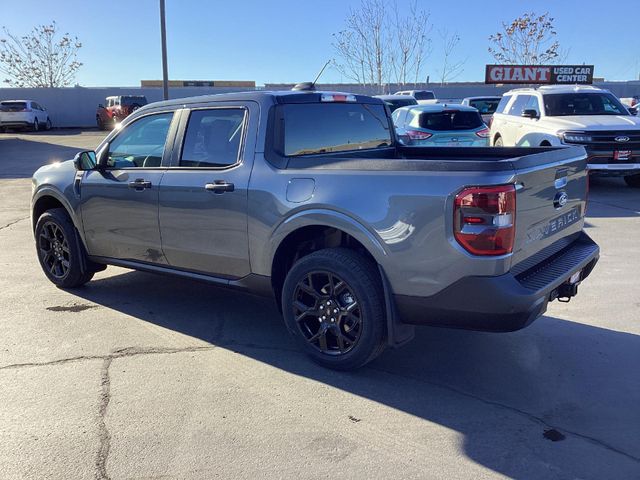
(163, 35)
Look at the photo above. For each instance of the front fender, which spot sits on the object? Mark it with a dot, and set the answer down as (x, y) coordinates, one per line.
(51, 191)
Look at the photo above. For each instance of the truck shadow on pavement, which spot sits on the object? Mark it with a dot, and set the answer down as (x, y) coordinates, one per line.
(556, 400)
(21, 158)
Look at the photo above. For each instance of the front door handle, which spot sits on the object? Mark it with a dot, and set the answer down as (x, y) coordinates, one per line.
(140, 184)
(219, 186)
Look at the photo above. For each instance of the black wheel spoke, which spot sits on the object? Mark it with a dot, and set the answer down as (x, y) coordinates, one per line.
(54, 250)
(333, 323)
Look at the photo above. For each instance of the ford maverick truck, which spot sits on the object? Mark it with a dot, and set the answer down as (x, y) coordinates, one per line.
(308, 197)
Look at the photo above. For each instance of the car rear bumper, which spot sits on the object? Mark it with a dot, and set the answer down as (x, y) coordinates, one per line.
(15, 123)
(506, 302)
(614, 169)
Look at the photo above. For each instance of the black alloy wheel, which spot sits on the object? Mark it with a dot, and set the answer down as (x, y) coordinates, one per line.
(327, 312)
(333, 304)
(53, 247)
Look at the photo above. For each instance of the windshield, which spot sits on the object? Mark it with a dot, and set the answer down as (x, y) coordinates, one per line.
(565, 104)
(485, 105)
(450, 120)
(424, 95)
(334, 127)
(128, 100)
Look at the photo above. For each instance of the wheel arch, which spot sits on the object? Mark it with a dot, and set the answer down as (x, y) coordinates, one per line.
(46, 199)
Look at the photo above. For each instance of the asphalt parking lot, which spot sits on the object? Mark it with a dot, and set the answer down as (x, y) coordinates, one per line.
(142, 376)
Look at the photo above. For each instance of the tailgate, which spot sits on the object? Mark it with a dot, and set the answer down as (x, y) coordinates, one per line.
(551, 192)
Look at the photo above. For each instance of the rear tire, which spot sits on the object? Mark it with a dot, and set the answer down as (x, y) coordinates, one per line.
(48, 124)
(633, 180)
(498, 142)
(60, 252)
(333, 304)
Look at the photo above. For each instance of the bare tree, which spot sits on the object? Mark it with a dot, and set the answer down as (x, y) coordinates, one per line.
(527, 40)
(451, 68)
(410, 43)
(40, 59)
(379, 45)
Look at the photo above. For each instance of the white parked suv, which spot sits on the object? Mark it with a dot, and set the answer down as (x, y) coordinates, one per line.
(572, 115)
(23, 114)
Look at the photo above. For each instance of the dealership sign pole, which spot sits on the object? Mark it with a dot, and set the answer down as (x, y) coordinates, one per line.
(539, 74)
(163, 37)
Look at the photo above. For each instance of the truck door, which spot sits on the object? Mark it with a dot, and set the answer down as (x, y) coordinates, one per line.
(203, 195)
(119, 204)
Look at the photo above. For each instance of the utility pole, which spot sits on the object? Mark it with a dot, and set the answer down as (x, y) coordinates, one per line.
(163, 35)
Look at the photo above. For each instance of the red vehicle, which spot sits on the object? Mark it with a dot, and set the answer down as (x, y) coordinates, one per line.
(117, 109)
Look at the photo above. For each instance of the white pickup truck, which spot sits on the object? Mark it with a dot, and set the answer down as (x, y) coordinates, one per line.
(572, 115)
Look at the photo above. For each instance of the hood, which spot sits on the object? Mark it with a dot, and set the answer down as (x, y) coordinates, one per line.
(594, 122)
(63, 166)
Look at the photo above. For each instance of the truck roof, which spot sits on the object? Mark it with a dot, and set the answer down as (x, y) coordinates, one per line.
(276, 96)
(559, 89)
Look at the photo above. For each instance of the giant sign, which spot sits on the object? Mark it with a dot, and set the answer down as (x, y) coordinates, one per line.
(542, 74)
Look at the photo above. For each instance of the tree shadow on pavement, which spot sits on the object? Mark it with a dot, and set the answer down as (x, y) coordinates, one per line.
(508, 395)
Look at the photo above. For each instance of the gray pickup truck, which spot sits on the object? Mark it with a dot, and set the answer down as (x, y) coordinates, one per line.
(308, 197)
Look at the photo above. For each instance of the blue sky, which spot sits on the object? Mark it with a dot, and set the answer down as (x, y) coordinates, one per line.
(284, 41)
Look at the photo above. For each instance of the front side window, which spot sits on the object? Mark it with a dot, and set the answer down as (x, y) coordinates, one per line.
(213, 138)
(566, 104)
(533, 104)
(311, 128)
(140, 144)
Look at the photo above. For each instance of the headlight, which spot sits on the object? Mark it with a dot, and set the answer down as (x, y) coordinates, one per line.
(570, 137)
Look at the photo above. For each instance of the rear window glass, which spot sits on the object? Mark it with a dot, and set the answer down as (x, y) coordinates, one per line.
(334, 127)
(485, 105)
(12, 106)
(424, 95)
(450, 120)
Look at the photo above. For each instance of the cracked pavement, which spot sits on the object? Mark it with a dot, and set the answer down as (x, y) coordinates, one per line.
(142, 376)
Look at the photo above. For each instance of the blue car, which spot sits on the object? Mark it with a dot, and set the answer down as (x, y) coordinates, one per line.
(441, 125)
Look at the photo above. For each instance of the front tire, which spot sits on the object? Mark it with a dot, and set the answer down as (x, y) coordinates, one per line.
(60, 253)
(498, 142)
(333, 304)
(36, 125)
(633, 180)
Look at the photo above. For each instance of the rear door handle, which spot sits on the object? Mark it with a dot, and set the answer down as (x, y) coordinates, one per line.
(140, 184)
(219, 186)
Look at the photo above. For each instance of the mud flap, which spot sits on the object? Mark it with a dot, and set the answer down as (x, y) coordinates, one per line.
(398, 333)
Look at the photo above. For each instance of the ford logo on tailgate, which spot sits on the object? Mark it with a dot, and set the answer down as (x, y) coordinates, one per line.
(560, 199)
(622, 138)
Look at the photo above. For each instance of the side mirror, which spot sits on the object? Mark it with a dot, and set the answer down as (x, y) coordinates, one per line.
(100, 105)
(530, 113)
(633, 110)
(85, 160)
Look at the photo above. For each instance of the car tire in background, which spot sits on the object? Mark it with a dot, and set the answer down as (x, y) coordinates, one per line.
(60, 252)
(498, 142)
(36, 125)
(333, 304)
(633, 180)
(99, 123)
(48, 124)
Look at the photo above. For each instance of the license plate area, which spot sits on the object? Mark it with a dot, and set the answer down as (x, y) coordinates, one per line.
(622, 155)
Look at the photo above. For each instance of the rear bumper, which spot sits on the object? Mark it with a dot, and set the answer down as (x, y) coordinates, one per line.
(16, 123)
(613, 169)
(502, 303)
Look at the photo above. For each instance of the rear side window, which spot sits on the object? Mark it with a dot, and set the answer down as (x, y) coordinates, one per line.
(13, 106)
(519, 104)
(311, 128)
(212, 139)
(502, 106)
(424, 96)
(450, 120)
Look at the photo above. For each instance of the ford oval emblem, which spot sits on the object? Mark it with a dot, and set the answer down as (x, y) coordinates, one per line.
(561, 199)
(622, 138)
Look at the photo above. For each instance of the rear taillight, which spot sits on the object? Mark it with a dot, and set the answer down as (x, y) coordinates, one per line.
(484, 219)
(418, 135)
(484, 133)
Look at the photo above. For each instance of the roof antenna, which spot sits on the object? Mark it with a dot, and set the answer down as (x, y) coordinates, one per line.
(311, 86)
